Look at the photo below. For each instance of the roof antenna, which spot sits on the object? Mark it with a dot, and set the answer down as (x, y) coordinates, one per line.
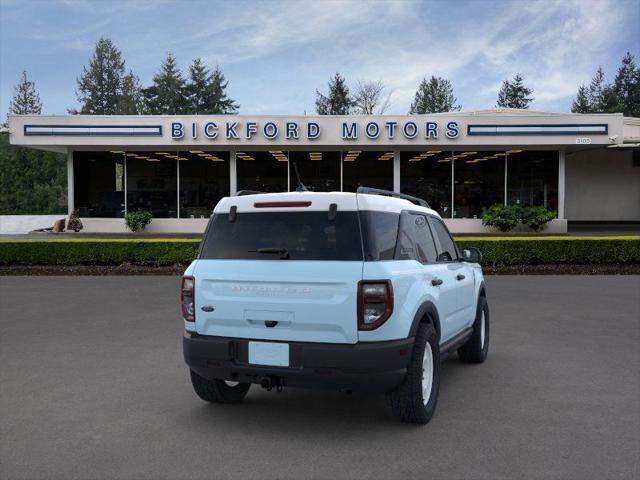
(301, 186)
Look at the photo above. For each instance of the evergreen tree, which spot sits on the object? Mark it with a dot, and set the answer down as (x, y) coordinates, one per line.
(196, 89)
(130, 101)
(167, 95)
(514, 94)
(25, 99)
(31, 181)
(610, 101)
(433, 96)
(100, 85)
(338, 101)
(581, 104)
(218, 100)
(627, 86)
(206, 91)
(596, 91)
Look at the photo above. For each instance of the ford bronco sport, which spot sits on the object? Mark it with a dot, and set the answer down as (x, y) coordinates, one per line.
(358, 291)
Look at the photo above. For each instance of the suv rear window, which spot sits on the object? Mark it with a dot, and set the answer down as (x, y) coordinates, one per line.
(302, 235)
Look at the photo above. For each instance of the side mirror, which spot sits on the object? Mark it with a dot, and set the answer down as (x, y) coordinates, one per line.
(471, 255)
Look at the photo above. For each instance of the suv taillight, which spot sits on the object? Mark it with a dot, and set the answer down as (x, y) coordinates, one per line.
(375, 303)
(187, 297)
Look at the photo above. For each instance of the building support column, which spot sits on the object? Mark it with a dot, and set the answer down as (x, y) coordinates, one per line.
(561, 182)
(453, 184)
(177, 188)
(70, 183)
(506, 170)
(396, 171)
(233, 177)
(125, 186)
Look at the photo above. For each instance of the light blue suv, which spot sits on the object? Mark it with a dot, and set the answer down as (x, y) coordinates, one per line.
(349, 291)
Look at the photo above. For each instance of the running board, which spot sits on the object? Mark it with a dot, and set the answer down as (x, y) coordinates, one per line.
(454, 343)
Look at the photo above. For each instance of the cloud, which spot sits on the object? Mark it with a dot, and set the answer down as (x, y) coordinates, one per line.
(277, 53)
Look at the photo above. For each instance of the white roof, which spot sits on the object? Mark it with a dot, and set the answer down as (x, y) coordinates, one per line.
(318, 201)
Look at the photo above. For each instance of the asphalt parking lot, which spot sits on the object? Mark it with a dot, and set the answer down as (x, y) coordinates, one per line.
(92, 385)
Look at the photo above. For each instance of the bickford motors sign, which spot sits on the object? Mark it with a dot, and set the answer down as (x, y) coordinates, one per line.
(295, 130)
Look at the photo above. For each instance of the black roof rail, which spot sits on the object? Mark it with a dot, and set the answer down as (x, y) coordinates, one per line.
(389, 193)
(242, 193)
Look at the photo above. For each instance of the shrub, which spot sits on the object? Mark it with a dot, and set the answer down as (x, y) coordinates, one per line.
(137, 220)
(74, 251)
(537, 217)
(495, 251)
(504, 218)
(74, 223)
(545, 250)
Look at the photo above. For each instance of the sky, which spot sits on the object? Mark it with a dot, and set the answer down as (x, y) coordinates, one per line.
(275, 54)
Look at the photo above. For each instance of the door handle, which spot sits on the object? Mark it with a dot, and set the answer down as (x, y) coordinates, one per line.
(460, 277)
(436, 281)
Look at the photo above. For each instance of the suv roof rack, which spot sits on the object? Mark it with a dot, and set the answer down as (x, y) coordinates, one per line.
(389, 193)
(242, 193)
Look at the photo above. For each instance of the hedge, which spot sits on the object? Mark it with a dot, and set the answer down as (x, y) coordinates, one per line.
(567, 250)
(98, 252)
(495, 251)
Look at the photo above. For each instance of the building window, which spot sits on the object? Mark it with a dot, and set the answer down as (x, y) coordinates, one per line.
(427, 174)
(319, 171)
(478, 182)
(369, 169)
(262, 171)
(99, 184)
(532, 178)
(152, 183)
(204, 180)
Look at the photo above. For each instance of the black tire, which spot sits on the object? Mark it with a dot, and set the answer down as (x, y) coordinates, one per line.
(406, 401)
(217, 391)
(475, 350)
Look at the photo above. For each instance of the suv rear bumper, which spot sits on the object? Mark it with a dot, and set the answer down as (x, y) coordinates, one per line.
(371, 366)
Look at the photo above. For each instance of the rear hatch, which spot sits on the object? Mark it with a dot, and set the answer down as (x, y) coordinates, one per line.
(281, 267)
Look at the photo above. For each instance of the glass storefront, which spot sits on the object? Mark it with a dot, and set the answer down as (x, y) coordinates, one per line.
(188, 184)
(478, 182)
(262, 171)
(427, 174)
(370, 169)
(319, 171)
(532, 178)
(99, 184)
(152, 184)
(204, 180)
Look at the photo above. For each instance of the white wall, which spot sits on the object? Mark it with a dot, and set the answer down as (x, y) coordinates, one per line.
(602, 185)
(197, 225)
(13, 224)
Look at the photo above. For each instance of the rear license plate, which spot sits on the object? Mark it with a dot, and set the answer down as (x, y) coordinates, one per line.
(268, 353)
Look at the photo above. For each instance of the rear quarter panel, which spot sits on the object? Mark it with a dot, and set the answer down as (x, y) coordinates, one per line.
(409, 293)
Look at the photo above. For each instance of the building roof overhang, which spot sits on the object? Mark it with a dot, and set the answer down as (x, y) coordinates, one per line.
(478, 128)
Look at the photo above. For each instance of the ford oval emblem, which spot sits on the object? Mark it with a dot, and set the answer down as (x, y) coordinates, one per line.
(207, 308)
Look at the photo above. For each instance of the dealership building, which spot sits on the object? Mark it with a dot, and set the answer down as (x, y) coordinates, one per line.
(586, 168)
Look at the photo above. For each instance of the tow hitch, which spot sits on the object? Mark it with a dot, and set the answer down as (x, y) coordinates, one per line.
(269, 383)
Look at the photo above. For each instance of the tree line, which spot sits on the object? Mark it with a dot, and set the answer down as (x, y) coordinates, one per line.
(33, 181)
(435, 95)
(106, 88)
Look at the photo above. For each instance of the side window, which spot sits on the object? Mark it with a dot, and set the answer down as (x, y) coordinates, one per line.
(379, 234)
(416, 242)
(448, 250)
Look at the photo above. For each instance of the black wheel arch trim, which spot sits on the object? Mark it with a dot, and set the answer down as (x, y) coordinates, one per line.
(482, 291)
(427, 309)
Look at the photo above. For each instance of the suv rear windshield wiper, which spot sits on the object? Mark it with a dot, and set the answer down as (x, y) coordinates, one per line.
(283, 252)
